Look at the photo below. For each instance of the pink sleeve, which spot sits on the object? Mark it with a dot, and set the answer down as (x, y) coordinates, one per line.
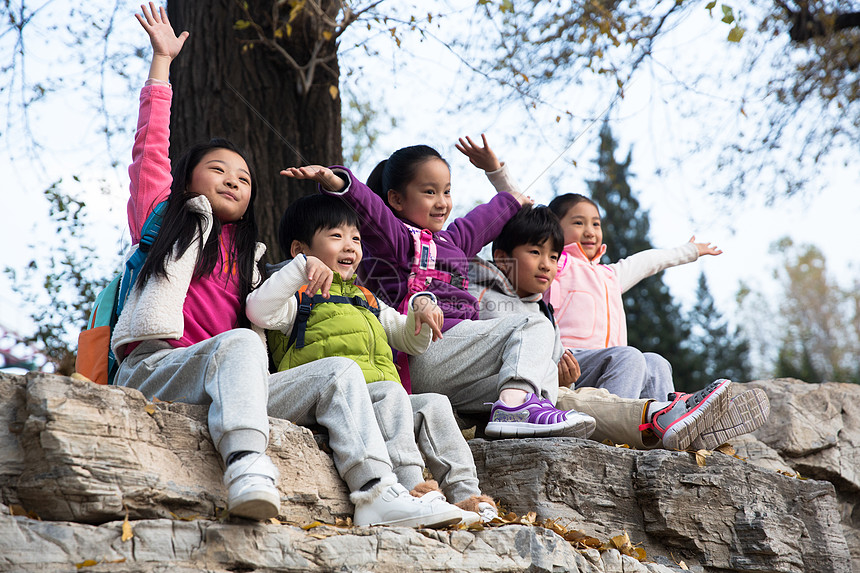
(149, 171)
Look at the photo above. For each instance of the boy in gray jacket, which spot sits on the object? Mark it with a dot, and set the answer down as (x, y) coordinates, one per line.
(525, 261)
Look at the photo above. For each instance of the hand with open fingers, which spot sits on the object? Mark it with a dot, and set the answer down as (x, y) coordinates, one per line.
(427, 312)
(319, 277)
(165, 42)
(568, 370)
(706, 248)
(480, 157)
(322, 175)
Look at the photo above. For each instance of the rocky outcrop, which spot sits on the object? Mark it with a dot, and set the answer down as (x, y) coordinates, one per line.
(81, 459)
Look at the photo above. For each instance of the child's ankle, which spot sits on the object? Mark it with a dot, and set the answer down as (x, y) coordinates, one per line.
(513, 397)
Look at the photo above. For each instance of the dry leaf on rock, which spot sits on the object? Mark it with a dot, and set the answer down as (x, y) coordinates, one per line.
(127, 532)
(701, 457)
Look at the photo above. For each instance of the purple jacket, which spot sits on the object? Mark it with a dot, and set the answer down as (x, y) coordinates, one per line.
(388, 246)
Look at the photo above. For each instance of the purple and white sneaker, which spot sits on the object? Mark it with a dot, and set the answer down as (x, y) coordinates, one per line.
(535, 418)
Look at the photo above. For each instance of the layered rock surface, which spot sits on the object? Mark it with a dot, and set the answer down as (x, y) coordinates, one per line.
(82, 458)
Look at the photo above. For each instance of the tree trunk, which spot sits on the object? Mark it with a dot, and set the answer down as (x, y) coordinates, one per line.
(253, 97)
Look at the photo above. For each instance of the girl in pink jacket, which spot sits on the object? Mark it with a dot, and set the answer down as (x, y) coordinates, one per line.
(586, 296)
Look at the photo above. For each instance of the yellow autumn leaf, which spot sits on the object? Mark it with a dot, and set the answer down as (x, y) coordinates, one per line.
(87, 563)
(311, 525)
(701, 457)
(683, 566)
(149, 409)
(79, 376)
(127, 533)
(327, 35)
(727, 449)
(735, 34)
(332, 91)
(274, 521)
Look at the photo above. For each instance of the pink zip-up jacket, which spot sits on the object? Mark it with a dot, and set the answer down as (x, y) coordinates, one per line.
(586, 295)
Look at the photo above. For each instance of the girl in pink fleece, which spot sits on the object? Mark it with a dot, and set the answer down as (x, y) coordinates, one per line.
(586, 296)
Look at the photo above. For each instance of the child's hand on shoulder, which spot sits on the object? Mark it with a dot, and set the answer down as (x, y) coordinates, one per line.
(481, 157)
(568, 370)
(322, 175)
(706, 248)
(319, 276)
(426, 311)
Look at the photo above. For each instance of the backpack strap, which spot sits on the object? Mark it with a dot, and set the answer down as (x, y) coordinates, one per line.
(547, 311)
(423, 269)
(148, 234)
(308, 302)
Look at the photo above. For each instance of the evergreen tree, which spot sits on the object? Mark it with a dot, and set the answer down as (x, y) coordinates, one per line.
(655, 323)
(715, 351)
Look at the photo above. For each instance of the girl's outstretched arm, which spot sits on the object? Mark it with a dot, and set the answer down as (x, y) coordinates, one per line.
(166, 45)
(706, 248)
(322, 175)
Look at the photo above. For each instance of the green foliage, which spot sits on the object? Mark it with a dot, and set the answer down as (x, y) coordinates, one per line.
(61, 286)
(717, 352)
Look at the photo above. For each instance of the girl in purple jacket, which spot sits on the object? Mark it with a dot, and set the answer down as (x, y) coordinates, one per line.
(503, 365)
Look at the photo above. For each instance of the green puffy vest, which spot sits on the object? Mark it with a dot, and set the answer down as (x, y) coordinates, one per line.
(338, 329)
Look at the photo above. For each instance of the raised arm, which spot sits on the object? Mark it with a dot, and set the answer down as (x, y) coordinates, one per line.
(484, 158)
(149, 172)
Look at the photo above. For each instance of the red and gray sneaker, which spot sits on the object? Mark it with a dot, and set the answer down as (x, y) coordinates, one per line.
(537, 417)
(679, 423)
(748, 410)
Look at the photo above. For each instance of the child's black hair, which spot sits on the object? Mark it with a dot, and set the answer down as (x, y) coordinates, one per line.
(181, 226)
(530, 226)
(398, 170)
(307, 215)
(564, 203)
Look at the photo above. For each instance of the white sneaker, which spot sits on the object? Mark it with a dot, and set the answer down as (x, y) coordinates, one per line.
(396, 507)
(437, 499)
(251, 490)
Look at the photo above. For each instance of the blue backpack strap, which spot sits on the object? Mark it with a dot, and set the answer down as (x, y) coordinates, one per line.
(148, 234)
(306, 303)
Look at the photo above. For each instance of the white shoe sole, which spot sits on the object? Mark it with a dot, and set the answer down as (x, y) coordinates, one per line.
(433, 521)
(256, 505)
(747, 411)
(682, 433)
(573, 427)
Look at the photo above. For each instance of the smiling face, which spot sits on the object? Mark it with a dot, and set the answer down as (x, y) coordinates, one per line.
(223, 177)
(530, 268)
(426, 199)
(581, 224)
(339, 248)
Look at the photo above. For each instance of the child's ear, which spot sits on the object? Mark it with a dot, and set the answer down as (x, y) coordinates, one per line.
(297, 248)
(502, 260)
(395, 199)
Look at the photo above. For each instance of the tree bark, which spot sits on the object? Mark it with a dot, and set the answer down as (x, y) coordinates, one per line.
(253, 97)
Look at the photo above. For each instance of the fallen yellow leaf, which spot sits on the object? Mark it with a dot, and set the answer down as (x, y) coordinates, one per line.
(701, 457)
(311, 525)
(149, 409)
(127, 533)
(87, 563)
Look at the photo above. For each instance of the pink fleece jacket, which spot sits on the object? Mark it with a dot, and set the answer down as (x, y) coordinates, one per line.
(586, 295)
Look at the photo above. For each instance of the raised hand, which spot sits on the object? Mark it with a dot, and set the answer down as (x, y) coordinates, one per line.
(322, 175)
(706, 248)
(481, 157)
(164, 40)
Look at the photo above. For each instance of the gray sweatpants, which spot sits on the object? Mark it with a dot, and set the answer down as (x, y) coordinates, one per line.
(418, 424)
(476, 359)
(229, 372)
(625, 372)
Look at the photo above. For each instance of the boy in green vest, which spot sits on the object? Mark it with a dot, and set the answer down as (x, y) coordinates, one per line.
(525, 261)
(314, 312)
